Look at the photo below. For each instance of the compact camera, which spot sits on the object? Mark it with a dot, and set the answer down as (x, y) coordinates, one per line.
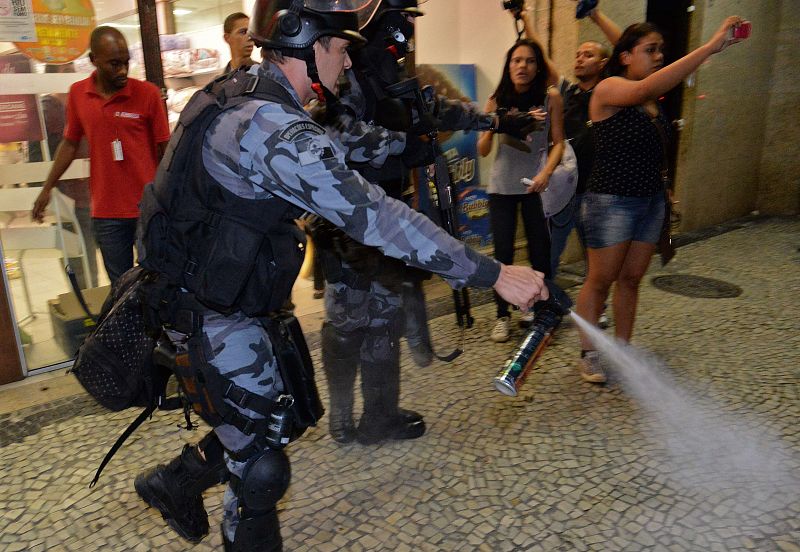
(743, 30)
(513, 5)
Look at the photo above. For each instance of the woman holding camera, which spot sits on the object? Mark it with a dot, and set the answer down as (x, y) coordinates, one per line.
(523, 87)
(624, 207)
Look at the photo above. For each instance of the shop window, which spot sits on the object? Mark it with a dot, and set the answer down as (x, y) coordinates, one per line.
(48, 318)
(34, 255)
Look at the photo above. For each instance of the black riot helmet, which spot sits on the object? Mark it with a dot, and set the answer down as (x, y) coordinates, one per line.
(409, 7)
(388, 24)
(293, 26)
(297, 24)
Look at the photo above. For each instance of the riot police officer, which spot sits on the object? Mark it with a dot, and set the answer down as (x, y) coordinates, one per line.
(218, 237)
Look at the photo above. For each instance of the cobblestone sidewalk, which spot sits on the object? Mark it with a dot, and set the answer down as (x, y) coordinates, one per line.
(566, 466)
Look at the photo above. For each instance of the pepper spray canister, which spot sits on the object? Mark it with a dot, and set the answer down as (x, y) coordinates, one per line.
(546, 319)
(517, 367)
(281, 423)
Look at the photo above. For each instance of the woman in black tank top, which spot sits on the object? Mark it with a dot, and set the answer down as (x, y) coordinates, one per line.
(623, 209)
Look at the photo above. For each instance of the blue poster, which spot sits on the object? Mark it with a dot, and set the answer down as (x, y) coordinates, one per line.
(458, 82)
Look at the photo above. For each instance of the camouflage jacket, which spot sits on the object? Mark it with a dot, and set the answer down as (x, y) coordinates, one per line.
(450, 114)
(374, 150)
(279, 151)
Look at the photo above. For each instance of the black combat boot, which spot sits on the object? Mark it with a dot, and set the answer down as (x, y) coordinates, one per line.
(380, 421)
(340, 357)
(380, 386)
(176, 489)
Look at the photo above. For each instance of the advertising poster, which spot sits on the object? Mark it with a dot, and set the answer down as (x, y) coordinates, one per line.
(458, 82)
(19, 115)
(63, 28)
(19, 121)
(16, 21)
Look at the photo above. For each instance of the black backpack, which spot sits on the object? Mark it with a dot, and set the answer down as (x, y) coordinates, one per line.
(115, 364)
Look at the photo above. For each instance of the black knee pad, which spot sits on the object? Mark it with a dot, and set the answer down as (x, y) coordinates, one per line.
(339, 344)
(264, 480)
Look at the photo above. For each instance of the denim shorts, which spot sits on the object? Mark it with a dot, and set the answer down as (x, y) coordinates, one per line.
(611, 219)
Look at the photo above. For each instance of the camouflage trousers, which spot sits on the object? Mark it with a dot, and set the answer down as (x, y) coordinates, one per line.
(370, 321)
(377, 308)
(372, 310)
(238, 348)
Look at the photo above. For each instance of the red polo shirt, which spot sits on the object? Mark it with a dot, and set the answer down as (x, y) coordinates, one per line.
(136, 117)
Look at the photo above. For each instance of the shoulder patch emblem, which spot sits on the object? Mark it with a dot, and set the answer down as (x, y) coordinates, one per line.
(293, 131)
(311, 151)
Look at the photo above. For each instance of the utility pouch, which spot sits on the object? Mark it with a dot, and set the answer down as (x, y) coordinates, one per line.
(295, 366)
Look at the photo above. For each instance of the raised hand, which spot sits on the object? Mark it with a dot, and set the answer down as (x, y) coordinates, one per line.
(724, 35)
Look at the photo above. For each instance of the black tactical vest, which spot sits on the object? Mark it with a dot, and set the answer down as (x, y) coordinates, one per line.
(234, 254)
(390, 113)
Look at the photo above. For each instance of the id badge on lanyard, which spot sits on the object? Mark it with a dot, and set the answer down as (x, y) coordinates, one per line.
(116, 149)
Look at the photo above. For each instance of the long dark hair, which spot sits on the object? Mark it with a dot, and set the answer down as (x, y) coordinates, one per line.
(506, 96)
(629, 39)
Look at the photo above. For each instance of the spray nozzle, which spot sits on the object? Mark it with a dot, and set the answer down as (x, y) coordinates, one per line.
(559, 301)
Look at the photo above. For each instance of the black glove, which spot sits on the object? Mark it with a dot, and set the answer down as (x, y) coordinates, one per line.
(425, 118)
(517, 124)
(418, 152)
(423, 123)
(584, 8)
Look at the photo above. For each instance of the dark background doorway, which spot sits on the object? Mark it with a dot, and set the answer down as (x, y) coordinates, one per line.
(672, 17)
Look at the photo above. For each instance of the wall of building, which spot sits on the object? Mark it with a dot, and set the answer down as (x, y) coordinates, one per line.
(779, 172)
(622, 12)
(726, 113)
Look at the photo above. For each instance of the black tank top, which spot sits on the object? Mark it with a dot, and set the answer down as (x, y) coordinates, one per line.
(628, 154)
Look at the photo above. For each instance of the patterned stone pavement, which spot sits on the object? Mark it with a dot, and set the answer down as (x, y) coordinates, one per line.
(564, 466)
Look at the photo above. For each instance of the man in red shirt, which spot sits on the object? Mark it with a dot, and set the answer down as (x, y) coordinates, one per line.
(125, 124)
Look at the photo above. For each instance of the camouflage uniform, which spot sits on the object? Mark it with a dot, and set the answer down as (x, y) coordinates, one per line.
(279, 152)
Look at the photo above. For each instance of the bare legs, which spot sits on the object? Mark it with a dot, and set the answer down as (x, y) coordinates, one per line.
(624, 264)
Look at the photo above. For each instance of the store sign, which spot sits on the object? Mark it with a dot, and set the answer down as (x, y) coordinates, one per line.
(63, 28)
(16, 21)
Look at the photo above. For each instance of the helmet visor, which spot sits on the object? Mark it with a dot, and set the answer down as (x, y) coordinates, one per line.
(340, 5)
(368, 13)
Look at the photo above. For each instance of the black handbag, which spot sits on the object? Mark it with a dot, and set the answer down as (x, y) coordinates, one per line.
(666, 249)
